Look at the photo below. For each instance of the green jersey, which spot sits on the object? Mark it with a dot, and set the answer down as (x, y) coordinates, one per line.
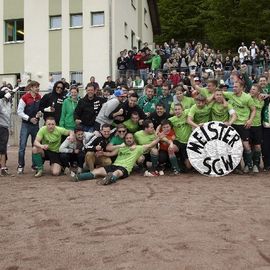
(257, 121)
(205, 92)
(266, 90)
(186, 102)
(143, 138)
(200, 115)
(148, 105)
(181, 128)
(221, 113)
(116, 140)
(242, 105)
(127, 158)
(52, 139)
(131, 126)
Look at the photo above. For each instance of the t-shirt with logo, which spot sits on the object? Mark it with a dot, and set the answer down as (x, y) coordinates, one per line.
(221, 113)
(52, 139)
(143, 138)
(200, 115)
(127, 158)
(257, 121)
(242, 105)
(181, 128)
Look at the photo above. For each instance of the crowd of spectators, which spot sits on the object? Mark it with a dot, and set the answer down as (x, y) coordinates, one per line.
(147, 115)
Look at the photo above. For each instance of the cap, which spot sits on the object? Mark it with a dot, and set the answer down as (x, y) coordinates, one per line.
(119, 93)
(197, 79)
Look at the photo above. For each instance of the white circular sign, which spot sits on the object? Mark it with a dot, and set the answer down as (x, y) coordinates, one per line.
(214, 149)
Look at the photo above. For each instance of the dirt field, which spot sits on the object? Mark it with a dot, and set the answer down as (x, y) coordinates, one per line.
(179, 222)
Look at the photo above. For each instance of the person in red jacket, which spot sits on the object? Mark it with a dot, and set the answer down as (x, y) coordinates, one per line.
(175, 78)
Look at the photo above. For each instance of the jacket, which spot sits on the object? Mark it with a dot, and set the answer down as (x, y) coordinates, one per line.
(67, 116)
(55, 100)
(28, 107)
(87, 110)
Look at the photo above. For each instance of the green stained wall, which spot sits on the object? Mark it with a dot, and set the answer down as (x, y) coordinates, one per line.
(13, 9)
(75, 6)
(76, 50)
(14, 58)
(55, 51)
(55, 7)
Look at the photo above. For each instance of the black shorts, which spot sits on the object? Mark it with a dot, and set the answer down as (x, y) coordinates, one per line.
(255, 135)
(53, 157)
(163, 157)
(182, 149)
(242, 131)
(4, 135)
(113, 168)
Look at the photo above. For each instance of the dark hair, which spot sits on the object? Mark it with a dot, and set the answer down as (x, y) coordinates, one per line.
(106, 126)
(166, 122)
(215, 82)
(74, 87)
(135, 113)
(59, 82)
(50, 118)
(146, 123)
(89, 85)
(78, 129)
(160, 104)
(134, 95)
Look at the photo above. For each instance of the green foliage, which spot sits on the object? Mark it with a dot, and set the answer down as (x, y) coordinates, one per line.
(222, 24)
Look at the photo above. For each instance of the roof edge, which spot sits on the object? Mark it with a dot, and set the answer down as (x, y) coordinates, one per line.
(154, 14)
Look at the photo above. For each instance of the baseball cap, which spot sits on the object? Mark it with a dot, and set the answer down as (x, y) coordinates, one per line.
(119, 93)
(197, 79)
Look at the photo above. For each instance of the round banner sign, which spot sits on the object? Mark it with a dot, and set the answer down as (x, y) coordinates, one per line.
(214, 149)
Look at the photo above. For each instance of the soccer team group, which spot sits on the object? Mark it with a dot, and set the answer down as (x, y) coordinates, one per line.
(106, 137)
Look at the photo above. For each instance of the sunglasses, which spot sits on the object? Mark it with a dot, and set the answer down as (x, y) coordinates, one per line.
(122, 131)
(59, 87)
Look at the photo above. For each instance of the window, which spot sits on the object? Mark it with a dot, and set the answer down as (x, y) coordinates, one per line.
(55, 22)
(97, 18)
(76, 77)
(75, 20)
(132, 39)
(56, 76)
(125, 30)
(14, 30)
(145, 17)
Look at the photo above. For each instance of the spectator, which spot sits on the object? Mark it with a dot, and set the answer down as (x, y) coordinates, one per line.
(104, 115)
(28, 111)
(87, 109)
(122, 64)
(109, 83)
(51, 103)
(67, 120)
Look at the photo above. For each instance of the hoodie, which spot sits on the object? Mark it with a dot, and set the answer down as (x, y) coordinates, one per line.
(67, 120)
(55, 100)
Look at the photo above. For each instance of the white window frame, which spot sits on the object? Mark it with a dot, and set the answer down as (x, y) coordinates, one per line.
(93, 13)
(55, 28)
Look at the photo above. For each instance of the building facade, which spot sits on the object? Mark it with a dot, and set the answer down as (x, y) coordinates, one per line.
(74, 39)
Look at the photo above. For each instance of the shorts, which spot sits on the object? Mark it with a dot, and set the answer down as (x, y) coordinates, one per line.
(53, 157)
(113, 168)
(255, 135)
(242, 131)
(182, 149)
(4, 135)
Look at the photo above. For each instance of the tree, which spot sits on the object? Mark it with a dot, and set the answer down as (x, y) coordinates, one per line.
(222, 24)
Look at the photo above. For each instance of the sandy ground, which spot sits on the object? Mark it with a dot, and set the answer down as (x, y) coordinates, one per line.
(178, 222)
